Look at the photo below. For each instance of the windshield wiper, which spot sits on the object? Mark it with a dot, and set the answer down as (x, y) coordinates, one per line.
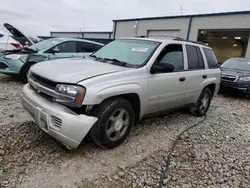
(116, 61)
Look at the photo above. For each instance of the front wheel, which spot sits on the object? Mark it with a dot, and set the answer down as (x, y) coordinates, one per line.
(115, 121)
(203, 103)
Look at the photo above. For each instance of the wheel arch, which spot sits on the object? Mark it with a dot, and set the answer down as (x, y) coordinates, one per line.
(211, 87)
(132, 98)
(27, 64)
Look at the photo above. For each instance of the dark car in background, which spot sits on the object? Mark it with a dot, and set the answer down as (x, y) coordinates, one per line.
(236, 75)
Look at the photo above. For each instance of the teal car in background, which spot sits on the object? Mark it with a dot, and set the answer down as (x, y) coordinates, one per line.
(18, 62)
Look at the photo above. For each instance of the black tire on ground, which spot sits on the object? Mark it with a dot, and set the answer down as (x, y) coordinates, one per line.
(201, 108)
(116, 119)
(24, 72)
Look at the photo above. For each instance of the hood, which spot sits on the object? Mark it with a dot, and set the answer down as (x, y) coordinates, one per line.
(73, 70)
(17, 35)
(235, 72)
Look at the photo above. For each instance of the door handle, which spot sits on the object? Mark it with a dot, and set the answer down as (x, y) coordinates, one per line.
(182, 79)
(204, 76)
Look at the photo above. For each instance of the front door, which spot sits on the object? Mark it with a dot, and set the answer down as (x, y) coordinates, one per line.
(167, 90)
(64, 50)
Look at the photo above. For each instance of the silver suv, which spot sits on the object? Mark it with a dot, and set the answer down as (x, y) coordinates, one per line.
(106, 94)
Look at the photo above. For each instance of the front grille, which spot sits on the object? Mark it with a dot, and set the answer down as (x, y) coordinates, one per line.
(50, 98)
(228, 78)
(43, 81)
(57, 121)
(3, 65)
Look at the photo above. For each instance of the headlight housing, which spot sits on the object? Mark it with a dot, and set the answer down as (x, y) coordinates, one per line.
(74, 94)
(22, 57)
(245, 79)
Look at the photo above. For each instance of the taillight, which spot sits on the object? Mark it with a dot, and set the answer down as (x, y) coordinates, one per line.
(16, 45)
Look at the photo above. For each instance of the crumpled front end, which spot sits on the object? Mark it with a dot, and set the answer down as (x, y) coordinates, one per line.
(58, 121)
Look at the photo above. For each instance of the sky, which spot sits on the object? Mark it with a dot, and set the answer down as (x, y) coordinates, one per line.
(39, 17)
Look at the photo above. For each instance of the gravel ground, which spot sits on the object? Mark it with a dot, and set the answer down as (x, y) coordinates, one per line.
(214, 154)
(10, 109)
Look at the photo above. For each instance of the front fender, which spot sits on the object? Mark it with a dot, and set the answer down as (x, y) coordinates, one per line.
(96, 96)
(37, 58)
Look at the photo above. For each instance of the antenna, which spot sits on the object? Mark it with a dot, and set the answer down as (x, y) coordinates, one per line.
(83, 25)
(80, 33)
(181, 9)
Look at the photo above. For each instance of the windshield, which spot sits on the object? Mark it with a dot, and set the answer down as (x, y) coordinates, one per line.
(240, 64)
(45, 44)
(133, 52)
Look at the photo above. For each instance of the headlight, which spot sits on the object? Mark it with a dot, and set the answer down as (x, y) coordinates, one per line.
(22, 57)
(245, 79)
(77, 93)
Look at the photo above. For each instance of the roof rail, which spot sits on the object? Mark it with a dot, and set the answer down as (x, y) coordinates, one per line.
(196, 42)
(174, 37)
(177, 38)
(142, 36)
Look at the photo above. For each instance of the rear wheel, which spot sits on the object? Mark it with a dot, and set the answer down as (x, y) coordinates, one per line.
(115, 121)
(203, 103)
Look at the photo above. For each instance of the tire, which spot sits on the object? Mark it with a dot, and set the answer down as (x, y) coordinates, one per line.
(24, 72)
(200, 108)
(111, 121)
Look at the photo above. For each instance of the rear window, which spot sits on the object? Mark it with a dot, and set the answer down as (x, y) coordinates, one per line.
(195, 60)
(211, 58)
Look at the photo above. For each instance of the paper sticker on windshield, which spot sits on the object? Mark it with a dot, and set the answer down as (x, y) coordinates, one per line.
(139, 49)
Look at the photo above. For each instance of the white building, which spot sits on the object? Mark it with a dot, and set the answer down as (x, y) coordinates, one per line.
(227, 33)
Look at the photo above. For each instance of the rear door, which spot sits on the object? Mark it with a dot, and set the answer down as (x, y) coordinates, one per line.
(64, 50)
(197, 73)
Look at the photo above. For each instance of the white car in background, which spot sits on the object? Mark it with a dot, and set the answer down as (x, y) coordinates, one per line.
(13, 40)
(8, 43)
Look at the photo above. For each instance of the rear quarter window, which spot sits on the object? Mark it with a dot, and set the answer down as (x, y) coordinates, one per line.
(211, 58)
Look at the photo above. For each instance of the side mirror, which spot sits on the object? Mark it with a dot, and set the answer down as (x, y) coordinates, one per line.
(55, 50)
(162, 68)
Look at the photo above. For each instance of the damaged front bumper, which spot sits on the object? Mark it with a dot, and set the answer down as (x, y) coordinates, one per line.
(56, 120)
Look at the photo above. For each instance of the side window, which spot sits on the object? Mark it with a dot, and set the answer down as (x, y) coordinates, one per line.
(172, 54)
(97, 47)
(83, 47)
(211, 58)
(200, 59)
(66, 47)
(195, 60)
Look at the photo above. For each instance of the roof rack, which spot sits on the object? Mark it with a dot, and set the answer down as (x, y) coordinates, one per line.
(178, 39)
(196, 42)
